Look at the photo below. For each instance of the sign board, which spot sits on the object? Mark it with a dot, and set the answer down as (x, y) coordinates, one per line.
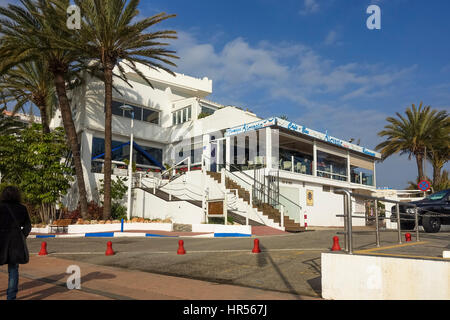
(309, 197)
(424, 185)
(215, 208)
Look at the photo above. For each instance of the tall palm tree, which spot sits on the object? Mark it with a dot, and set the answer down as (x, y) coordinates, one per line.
(30, 81)
(439, 151)
(412, 134)
(110, 39)
(29, 32)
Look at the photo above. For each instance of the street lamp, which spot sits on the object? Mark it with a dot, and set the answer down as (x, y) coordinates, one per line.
(130, 165)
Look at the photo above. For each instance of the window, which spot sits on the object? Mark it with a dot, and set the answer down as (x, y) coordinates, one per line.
(331, 166)
(182, 115)
(207, 110)
(123, 153)
(150, 116)
(141, 114)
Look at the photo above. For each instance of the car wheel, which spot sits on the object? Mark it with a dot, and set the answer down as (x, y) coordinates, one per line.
(431, 224)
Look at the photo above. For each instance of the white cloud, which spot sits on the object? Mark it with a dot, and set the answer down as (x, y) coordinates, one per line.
(309, 6)
(285, 70)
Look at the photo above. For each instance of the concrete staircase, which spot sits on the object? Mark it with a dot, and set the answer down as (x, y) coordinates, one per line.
(267, 210)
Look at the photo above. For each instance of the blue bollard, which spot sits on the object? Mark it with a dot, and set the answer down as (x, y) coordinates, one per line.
(121, 226)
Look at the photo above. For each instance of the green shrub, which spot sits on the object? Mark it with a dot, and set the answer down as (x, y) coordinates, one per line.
(118, 211)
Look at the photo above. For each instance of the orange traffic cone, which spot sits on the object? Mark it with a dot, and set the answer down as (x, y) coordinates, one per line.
(181, 247)
(336, 246)
(43, 251)
(256, 248)
(109, 249)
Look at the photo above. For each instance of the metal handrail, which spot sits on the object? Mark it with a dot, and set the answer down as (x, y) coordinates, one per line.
(349, 216)
(176, 165)
(262, 185)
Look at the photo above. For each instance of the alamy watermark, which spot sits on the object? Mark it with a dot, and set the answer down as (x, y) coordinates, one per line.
(74, 19)
(374, 20)
(74, 280)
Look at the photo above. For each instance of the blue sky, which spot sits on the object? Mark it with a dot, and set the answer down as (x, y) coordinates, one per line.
(316, 62)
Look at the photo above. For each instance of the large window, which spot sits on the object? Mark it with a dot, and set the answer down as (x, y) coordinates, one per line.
(123, 153)
(141, 114)
(362, 170)
(207, 111)
(182, 115)
(295, 155)
(331, 166)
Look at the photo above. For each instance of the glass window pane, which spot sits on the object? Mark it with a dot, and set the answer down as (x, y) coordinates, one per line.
(208, 110)
(184, 115)
(151, 116)
(137, 112)
(174, 118)
(331, 166)
(189, 113)
(116, 110)
(178, 117)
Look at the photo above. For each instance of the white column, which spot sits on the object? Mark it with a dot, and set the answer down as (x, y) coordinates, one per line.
(218, 154)
(268, 149)
(207, 152)
(228, 152)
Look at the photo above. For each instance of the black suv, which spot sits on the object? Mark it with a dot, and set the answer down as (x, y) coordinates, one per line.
(437, 203)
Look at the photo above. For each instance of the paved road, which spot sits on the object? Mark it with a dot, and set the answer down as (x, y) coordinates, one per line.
(288, 263)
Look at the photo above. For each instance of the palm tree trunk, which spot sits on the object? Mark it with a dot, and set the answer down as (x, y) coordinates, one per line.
(419, 160)
(44, 119)
(71, 133)
(108, 143)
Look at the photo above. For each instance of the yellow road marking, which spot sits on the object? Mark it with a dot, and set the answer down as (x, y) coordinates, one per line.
(405, 255)
(391, 247)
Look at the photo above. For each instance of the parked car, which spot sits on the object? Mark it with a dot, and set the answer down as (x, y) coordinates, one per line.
(433, 211)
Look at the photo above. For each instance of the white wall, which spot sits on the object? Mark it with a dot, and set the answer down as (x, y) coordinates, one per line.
(146, 205)
(357, 277)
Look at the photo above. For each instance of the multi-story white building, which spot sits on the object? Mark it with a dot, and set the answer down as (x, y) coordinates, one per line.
(271, 162)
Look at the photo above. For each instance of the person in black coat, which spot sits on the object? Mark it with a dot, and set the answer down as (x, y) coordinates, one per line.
(15, 226)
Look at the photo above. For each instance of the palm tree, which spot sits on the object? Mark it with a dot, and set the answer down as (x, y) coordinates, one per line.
(439, 151)
(412, 134)
(30, 81)
(29, 33)
(109, 38)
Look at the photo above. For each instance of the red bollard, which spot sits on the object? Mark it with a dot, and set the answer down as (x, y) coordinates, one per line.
(336, 246)
(43, 251)
(109, 249)
(256, 248)
(408, 237)
(181, 247)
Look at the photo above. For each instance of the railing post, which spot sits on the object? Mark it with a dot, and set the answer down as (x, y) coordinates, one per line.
(282, 215)
(349, 223)
(397, 207)
(225, 208)
(251, 197)
(377, 228)
(416, 216)
(189, 164)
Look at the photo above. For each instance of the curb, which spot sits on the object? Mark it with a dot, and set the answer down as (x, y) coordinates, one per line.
(137, 235)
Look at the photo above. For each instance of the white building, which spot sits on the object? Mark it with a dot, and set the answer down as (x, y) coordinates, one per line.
(283, 165)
